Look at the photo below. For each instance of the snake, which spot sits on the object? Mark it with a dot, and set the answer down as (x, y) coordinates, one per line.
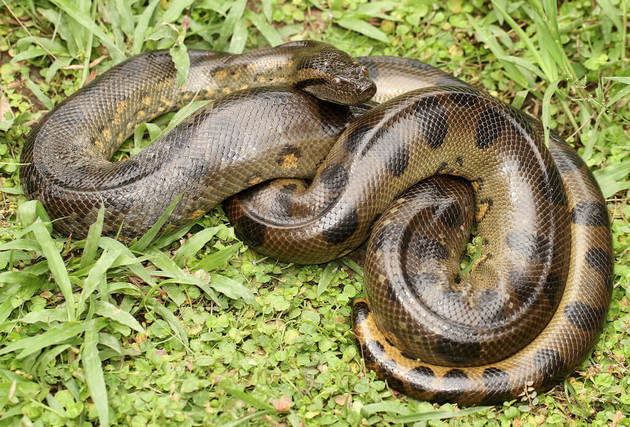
(312, 150)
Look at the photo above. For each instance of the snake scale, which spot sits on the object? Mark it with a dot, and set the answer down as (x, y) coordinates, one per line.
(421, 162)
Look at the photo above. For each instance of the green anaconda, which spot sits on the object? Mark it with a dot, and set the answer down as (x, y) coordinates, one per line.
(432, 158)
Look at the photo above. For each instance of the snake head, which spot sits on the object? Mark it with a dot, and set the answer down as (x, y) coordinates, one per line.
(332, 75)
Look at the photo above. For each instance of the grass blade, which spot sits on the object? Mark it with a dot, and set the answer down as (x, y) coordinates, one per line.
(56, 265)
(91, 243)
(148, 237)
(235, 14)
(546, 109)
(94, 373)
(270, 34)
(141, 27)
(173, 322)
(440, 415)
(85, 21)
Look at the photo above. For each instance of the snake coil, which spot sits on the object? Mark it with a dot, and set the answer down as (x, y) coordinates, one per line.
(434, 156)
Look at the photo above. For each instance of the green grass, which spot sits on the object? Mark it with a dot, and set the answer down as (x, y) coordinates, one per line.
(193, 327)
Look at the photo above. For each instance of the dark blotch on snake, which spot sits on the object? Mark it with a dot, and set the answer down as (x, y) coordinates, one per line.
(420, 377)
(389, 368)
(361, 311)
(522, 285)
(457, 352)
(408, 356)
(432, 120)
(399, 160)
(250, 231)
(449, 213)
(599, 260)
(355, 137)
(343, 229)
(462, 99)
(496, 379)
(566, 160)
(497, 383)
(550, 185)
(385, 234)
(583, 316)
(551, 288)
(421, 281)
(549, 365)
(334, 177)
(454, 388)
(530, 245)
(391, 293)
(591, 213)
(424, 247)
(282, 207)
(373, 352)
(489, 127)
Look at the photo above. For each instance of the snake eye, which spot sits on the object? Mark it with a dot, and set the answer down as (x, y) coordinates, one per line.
(364, 70)
(337, 80)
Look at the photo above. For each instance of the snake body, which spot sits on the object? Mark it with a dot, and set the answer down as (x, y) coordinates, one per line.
(219, 151)
(526, 314)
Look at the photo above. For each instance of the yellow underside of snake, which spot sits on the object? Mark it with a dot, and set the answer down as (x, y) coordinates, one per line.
(434, 157)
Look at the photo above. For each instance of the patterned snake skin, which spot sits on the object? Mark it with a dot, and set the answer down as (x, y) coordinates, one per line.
(526, 314)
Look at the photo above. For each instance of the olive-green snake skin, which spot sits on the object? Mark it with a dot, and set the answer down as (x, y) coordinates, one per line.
(525, 314)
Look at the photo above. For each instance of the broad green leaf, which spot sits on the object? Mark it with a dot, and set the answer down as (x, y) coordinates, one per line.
(194, 245)
(353, 266)
(55, 335)
(46, 316)
(97, 275)
(56, 265)
(21, 244)
(217, 259)
(546, 109)
(110, 311)
(154, 133)
(175, 10)
(395, 407)
(183, 113)
(327, 275)
(231, 288)
(246, 397)
(110, 341)
(613, 178)
(364, 28)
(180, 57)
(30, 210)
